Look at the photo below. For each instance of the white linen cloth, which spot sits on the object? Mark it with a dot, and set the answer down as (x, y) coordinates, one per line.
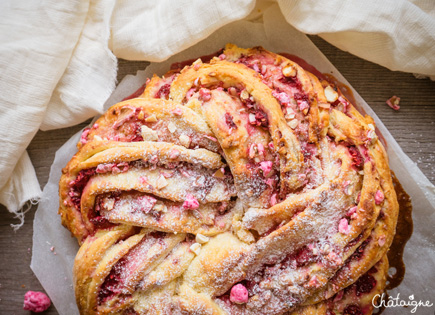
(58, 57)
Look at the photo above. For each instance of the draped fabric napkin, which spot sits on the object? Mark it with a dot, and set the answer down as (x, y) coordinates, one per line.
(58, 57)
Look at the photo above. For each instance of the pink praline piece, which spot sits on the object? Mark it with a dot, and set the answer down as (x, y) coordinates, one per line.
(36, 302)
(266, 166)
(379, 197)
(343, 226)
(190, 202)
(239, 294)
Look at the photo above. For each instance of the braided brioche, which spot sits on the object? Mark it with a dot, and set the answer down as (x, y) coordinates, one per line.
(244, 185)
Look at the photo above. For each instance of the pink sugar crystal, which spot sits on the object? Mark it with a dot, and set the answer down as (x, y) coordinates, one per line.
(36, 301)
(190, 202)
(379, 197)
(239, 294)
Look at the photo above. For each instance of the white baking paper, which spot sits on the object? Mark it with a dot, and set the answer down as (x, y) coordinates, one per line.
(54, 249)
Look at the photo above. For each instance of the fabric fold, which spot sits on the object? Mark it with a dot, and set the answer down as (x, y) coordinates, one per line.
(155, 30)
(21, 187)
(396, 34)
(58, 58)
(38, 39)
(90, 76)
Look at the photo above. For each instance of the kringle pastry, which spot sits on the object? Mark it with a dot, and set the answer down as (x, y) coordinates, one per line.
(244, 185)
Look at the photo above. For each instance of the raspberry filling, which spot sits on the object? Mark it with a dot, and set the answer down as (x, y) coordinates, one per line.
(121, 279)
(77, 186)
(131, 127)
(352, 310)
(365, 284)
(357, 158)
(286, 89)
(163, 92)
(229, 121)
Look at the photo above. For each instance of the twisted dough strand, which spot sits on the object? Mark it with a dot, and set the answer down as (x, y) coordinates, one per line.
(244, 185)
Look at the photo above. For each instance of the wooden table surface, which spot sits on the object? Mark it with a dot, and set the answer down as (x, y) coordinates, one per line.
(413, 127)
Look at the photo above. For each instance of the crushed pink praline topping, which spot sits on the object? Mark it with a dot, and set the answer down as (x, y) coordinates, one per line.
(379, 197)
(145, 204)
(204, 95)
(239, 294)
(343, 226)
(303, 105)
(260, 149)
(112, 167)
(333, 257)
(382, 240)
(190, 93)
(393, 102)
(190, 202)
(104, 168)
(174, 154)
(36, 301)
(273, 200)
(143, 180)
(177, 111)
(266, 167)
(339, 296)
(352, 211)
(314, 282)
(84, 136)
(282, 97)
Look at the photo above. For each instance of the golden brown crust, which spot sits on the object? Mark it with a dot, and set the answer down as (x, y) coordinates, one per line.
(245, 185)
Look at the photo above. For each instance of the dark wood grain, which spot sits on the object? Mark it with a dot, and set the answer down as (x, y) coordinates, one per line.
(413, 127)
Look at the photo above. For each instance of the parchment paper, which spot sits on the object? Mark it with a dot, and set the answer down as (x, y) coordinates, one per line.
(54, 249)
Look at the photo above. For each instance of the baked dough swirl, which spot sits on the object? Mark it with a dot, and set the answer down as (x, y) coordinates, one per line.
(241, 185)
